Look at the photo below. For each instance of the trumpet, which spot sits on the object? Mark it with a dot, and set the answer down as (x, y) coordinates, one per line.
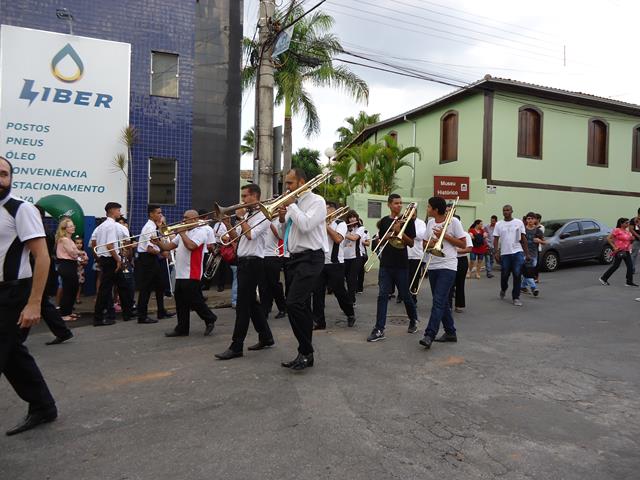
(336, 214)
(396, 239)
(377, 252)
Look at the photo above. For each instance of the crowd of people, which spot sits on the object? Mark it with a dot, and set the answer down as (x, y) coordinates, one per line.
(320, 248)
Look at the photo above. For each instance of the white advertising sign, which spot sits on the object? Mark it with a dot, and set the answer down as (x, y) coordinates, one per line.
(64, 101)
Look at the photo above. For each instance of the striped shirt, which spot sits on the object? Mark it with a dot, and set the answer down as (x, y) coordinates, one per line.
(189, 262)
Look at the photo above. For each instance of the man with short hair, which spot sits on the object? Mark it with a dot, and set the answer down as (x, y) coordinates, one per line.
(21, 234)
(107, 236)
(511, 251)
(249, 236)
(189, 245)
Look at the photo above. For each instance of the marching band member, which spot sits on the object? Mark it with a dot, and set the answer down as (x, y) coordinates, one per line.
(416, 254)
(249, 235)
(304, 231)
(442, 271)
(332, 274)
(108, 235)
(353, 253)
(365, 243)
(394, 263)
(189, 246)
(271, 288)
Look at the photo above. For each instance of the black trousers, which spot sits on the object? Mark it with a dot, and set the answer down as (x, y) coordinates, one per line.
(53, 319)
(16, 363)
(351, 270)
(618, 259)
(68, 271)
(332, 276)
(458, 288)
(188, 296)
(110, 277)
(302, 274)
(361, 273)
(250, 275)
(149, 279)
(414, 264)
(271, 286)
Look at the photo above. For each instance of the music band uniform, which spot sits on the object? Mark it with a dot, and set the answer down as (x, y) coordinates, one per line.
(149, 272)
(271, 287)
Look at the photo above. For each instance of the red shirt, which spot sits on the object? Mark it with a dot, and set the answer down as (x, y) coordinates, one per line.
(476, 235)
(622, 239)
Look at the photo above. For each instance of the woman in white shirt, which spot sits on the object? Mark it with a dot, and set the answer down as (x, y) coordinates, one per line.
(352, 250)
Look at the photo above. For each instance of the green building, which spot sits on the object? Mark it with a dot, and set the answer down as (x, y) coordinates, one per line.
(497, 141)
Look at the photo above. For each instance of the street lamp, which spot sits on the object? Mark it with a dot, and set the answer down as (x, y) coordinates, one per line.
(65, 14)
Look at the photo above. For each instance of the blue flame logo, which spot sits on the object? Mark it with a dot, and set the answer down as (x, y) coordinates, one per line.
(67, 50)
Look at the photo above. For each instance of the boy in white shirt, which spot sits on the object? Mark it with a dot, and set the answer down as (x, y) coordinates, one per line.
(511, 251)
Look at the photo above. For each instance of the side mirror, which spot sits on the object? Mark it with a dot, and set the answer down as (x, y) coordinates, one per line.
(564, 235)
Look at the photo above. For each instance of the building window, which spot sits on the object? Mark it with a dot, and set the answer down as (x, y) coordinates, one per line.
(530, 132)
(635, 149)
(162, 181)
(598, 143)
(164, 74)
(449, 137)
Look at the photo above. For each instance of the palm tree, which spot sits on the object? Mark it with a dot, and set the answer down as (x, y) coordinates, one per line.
(364, 155)
(123, 163)
(307, 62)
(390, 159)
(249, 141)
(356, 126)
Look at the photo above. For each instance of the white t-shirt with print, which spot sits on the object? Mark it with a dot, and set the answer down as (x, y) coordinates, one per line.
(450, 259)
(510, 234)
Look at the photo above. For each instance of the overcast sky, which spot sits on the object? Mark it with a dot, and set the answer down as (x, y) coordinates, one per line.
(461, 41)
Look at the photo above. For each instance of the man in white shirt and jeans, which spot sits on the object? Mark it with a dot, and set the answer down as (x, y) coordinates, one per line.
(511, 251)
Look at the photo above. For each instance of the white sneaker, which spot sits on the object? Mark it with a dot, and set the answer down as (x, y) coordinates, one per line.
(517, 302)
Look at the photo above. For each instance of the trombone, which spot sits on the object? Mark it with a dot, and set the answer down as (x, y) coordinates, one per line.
(396, 237)
(436, 250)
(336, 214)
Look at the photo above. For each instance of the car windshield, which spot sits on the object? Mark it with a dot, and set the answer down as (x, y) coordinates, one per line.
(551, 228)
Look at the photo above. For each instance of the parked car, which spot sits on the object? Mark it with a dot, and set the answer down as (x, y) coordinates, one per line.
(575, 239)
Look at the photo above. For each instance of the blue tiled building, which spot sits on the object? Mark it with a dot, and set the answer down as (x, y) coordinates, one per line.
(200, 129)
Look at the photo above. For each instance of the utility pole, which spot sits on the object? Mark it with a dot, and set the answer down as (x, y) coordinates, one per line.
(263, 154)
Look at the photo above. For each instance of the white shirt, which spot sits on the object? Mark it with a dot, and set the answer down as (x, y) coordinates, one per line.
(450, 260)
(254, 246)
(220, 230)
(149, 231)
(308, 230)
(363, 238)
(108, 232)
(510, 234)
(469, 245)
(349, 246)
(211, 236)
(189, 262)
(341, 229)
(26, 225)
(271, 240)
(415, 252)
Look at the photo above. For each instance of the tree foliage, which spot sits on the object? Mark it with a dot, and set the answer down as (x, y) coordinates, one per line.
(355, 126)
(308, 160)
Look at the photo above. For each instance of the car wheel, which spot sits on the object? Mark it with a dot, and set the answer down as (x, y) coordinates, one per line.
(606, 256)
(551, 261)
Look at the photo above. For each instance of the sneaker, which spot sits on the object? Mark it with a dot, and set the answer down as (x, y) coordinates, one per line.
(376, 335)
(413, 327)
(631, 284)
(517, 302)
(603, 281)
(502, 294)
(536, 292)
(489, 275)
(525, 291)
(637, 299)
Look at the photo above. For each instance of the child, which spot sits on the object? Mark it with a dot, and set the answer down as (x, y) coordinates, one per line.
(81, 264)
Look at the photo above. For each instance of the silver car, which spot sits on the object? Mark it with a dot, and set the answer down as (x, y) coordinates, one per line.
(575, 239)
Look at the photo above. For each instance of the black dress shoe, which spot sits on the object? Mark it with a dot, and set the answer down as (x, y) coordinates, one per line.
(351, 321)
(59, 340)
(319, 327)
(33, 420)
(228, 355)
(166, 314)
(173, 333)
(261, 345)
(281, 315)
(147, 320)
(208, 329)
(426, 341)
(447, 337)
(300, 362)
(103, 323)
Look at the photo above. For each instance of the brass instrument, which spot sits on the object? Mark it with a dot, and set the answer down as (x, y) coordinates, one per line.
(252, 208)
(336, 214)
(424, 272)
(212, 265)
(396, 239)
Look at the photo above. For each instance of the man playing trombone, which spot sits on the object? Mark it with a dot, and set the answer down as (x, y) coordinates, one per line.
(249, 234)
(333, 272)
(394, 264)
(444, 228)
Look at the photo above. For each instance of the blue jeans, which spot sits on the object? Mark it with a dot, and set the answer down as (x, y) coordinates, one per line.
(511, 265)
(234, 285)
(489, 261)
(441, 281)
(530, 282)
(387, 278)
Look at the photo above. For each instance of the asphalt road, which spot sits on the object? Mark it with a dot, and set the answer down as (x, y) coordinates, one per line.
(547, 391)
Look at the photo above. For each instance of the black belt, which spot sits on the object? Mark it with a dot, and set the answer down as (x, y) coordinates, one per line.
(249, 257)
(14, 283)
(305, 252)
